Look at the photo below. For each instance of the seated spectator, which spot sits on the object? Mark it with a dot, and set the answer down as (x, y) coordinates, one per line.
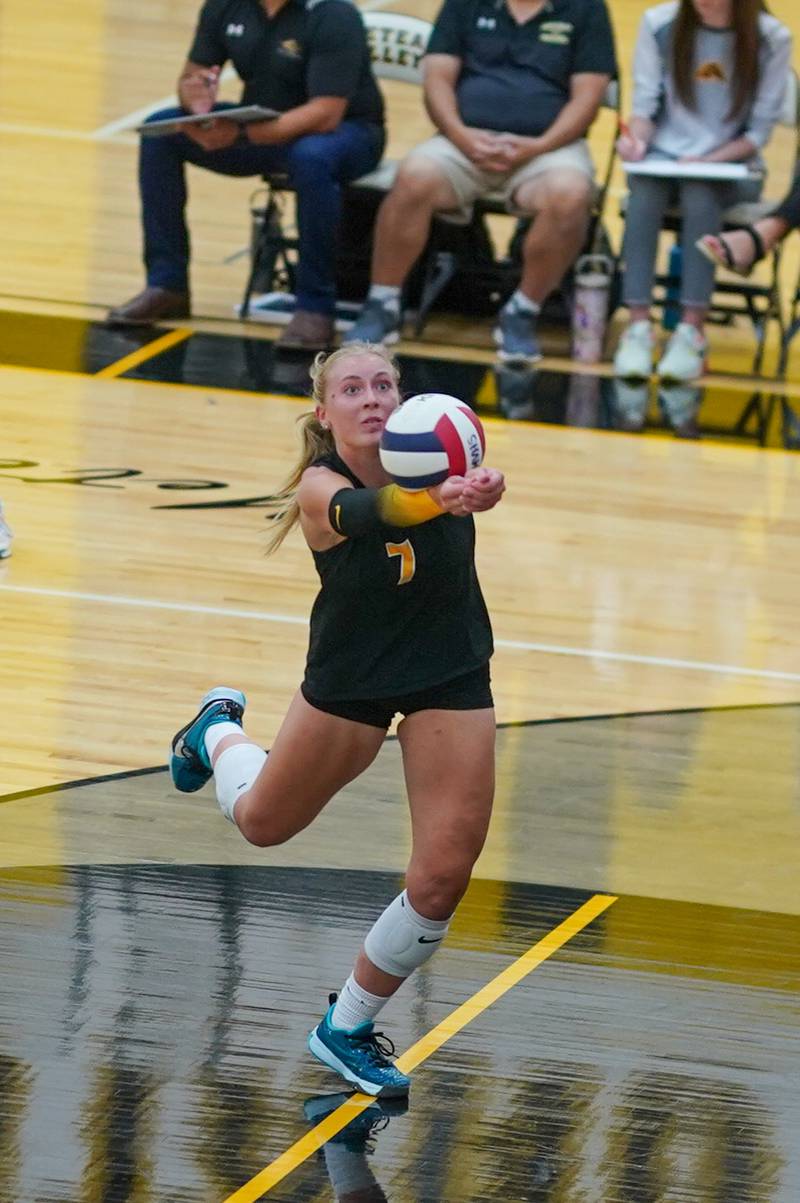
(512, 89)
(308, 59)
(709, 82)
(739, 250)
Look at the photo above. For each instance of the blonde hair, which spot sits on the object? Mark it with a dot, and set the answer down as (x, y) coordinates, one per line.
(316, 440)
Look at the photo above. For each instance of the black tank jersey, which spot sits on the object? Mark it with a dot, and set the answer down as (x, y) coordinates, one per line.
(400, 609)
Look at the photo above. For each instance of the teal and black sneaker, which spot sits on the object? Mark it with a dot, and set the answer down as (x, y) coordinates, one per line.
(189, 765)
(361, 1056)
(361, 1127)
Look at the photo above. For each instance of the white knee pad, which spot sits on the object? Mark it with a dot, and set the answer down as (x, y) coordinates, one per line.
(401, 940)
(234, 772)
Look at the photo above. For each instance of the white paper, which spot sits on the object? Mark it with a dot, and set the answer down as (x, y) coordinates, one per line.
(689, 171)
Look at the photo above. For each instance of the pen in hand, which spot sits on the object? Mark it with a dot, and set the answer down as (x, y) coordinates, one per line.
(630, 147)
(201, 90)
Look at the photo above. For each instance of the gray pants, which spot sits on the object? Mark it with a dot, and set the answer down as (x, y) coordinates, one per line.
(701, 204)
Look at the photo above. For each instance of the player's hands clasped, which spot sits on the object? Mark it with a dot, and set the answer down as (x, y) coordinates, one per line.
(479, 489)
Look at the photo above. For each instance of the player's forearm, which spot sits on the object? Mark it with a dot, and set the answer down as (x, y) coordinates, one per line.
(738, 150)
(354, 512)
(316, 116)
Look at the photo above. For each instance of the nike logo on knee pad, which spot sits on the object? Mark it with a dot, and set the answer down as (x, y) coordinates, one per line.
(430, 939)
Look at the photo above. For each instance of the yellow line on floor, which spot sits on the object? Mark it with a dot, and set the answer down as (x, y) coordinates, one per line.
(304, 1148)
(144, 353)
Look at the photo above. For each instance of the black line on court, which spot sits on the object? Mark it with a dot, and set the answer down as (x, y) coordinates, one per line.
(56, 789)
(596, 718)
(515, 723)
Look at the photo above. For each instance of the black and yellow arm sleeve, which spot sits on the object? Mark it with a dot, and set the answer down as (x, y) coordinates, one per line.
(354, 512)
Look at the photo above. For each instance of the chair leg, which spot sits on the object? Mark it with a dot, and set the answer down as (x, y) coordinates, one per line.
(762, 319)
(256, 259)
(786, 342)
(437, 276)
(760, 410)
(269, 246)
(790, 425)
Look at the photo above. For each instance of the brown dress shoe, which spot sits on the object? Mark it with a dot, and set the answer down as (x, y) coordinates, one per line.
(149, 306)
(307, 331)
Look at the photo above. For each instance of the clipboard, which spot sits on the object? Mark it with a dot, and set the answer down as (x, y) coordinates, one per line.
(242, 115)
(690, 171)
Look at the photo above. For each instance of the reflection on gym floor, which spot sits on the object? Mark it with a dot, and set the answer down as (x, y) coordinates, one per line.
(153, 1026)
(254, 364)
(759, 419)
(153, 1016)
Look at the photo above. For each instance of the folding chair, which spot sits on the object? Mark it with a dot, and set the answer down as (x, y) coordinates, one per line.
(397, 43)
(792, 328)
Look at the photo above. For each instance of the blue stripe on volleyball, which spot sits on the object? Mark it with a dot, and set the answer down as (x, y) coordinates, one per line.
(422, 440)
(421, 482)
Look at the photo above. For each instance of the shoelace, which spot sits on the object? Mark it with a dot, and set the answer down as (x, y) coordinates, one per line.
(377, 1046)
(378, 1125)
(231, 710)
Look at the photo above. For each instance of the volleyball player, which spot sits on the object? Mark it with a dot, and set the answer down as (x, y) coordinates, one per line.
(399, 626)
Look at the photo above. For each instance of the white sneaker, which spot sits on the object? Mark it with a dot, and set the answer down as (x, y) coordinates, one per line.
(5, 537)
(634, 356)
(685, 356)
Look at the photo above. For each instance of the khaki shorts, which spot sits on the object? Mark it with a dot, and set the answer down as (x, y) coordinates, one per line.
(469, 182)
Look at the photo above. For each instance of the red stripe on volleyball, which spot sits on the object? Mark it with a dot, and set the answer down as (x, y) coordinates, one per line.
(450, 439)
(476, 422)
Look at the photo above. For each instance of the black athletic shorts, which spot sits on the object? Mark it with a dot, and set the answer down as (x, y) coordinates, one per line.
(472, 691)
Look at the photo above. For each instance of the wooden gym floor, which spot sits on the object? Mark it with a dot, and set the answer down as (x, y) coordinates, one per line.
(628, 949)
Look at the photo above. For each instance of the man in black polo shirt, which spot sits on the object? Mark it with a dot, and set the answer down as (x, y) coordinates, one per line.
(309, 60)
(512, 86)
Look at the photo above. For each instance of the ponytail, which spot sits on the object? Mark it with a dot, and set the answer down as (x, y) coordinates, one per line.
(317, 440)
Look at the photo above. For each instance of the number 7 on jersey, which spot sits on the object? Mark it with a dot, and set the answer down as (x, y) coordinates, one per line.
(408, 561)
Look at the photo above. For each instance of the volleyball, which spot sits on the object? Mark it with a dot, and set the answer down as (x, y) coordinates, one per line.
(430, 437)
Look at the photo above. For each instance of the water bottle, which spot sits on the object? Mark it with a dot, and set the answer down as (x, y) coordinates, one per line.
(590, 307)
(671, 312)
(583, 401)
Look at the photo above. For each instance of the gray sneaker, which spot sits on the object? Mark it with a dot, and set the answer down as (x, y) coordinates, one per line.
(515, 336)
(376, 323)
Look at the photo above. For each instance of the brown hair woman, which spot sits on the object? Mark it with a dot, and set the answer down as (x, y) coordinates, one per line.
(709, 82)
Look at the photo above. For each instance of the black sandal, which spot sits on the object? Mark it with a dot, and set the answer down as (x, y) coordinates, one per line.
(726, 259)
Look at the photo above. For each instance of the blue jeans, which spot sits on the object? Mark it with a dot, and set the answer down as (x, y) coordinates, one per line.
(317, 166)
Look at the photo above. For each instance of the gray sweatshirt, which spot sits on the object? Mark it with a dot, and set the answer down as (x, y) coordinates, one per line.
(683, 131)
